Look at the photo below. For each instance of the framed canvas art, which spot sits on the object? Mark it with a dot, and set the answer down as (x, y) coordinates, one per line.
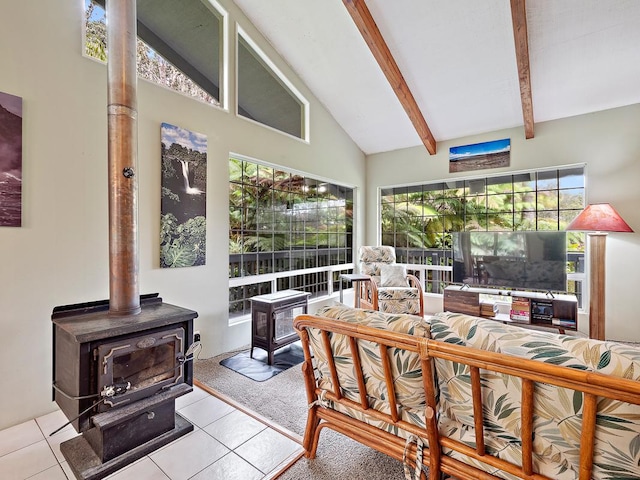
(10, 160)
(479, 156)
(183, 205)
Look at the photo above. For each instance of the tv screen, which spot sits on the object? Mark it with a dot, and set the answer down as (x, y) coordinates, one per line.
(517, 260)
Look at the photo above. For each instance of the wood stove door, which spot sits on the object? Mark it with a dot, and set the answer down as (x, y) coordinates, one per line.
(143, 365)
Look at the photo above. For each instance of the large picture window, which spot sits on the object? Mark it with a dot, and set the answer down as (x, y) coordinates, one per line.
(418, 219)
(286, 230)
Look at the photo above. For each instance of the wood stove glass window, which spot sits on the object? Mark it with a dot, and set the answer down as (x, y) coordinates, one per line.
(284, 321)
(145, 367)
(148, 363)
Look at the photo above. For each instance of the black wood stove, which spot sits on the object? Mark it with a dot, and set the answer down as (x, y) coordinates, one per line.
(119, 364)
(116, 380)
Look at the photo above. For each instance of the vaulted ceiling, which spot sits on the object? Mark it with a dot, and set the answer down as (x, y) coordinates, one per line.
(402, 73)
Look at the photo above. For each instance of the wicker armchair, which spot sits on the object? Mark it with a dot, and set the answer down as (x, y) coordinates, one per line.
(391, 289)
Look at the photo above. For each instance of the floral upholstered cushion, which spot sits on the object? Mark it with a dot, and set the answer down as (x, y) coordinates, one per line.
(372, 258)
(393, 276)
(399, 300)
(402, 323)
(405, 366)
(557, 411)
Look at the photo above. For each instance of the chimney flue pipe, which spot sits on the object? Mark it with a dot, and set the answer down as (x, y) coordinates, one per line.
(124, 296)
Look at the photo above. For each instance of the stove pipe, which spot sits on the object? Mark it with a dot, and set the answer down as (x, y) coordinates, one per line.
(124, 297)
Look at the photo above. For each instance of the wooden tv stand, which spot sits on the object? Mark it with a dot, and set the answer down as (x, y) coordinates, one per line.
(559, 311)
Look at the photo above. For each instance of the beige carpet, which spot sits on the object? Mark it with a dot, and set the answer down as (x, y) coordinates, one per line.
(282, 399)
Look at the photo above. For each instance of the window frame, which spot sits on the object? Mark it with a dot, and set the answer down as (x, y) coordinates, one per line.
(321, 265)
(472, 182)
(223, 54)
(282, 78)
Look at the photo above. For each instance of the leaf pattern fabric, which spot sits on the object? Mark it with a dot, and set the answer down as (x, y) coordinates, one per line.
(391, 299)
(399, 300)
(372, 258)
(557, 411)
(405, 366)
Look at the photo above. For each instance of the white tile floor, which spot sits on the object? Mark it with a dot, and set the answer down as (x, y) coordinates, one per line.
(226, 443)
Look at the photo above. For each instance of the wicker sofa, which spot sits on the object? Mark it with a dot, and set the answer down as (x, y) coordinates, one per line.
(472, 398)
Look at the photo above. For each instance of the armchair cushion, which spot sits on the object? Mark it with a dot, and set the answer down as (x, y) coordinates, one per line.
(557, 411)
(393, 276)
(404, 365)
(399, 300)
(372, 258)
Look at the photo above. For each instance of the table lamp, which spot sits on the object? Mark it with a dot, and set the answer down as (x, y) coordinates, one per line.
(597, 219)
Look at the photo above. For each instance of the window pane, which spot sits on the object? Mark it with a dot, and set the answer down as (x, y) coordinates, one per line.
(265, 176)
(500, 203)
(263, 94)
(547, 220)
(501, 222)
(167, 33)
(547, 180)
(235, 170)
(503, 184)
(524, 201)
(286, 222)
(572, 198)
(249, 172)
(571, 178)
(475, 187)
(545, 200)
(567, 216)
(524, 182)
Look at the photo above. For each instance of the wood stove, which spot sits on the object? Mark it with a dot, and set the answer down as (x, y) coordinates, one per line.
(117, 378)
(119, 364)
(272, 320)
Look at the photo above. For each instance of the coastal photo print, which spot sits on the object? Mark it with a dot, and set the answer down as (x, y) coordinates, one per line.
(10, 160)
(183, 206)
(479, 156)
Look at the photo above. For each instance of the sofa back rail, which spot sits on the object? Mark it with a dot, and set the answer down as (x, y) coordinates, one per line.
(592, 385)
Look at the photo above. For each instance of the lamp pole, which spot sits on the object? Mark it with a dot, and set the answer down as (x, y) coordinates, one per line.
(597, 219)
(597, 251)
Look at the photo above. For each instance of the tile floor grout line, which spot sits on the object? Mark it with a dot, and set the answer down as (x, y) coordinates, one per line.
(266, 424)
(283, 466)
(264, 420)
(28, 445)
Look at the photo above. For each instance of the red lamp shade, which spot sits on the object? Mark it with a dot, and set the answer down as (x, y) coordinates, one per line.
(599, 217)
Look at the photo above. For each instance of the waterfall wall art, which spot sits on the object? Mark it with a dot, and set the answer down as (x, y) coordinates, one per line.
(10, 160)
(183, 207)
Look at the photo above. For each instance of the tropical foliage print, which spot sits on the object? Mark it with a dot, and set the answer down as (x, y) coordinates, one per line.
(390, 299)
(557, 411)
(405, 365)
(183, 203)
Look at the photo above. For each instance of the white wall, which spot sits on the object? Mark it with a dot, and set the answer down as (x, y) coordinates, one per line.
(60, 254)
(607, 142)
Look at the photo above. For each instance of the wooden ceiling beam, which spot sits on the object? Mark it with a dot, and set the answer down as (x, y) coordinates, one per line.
(519, 19)
(371, 34)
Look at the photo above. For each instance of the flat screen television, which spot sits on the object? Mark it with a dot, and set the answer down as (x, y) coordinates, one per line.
(515, 260)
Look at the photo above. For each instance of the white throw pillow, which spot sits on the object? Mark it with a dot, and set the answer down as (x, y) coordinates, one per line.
(393, 276)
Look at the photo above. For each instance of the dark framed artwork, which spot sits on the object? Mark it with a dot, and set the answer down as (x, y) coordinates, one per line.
(183, 206)
(10, 160)
(478, 156)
